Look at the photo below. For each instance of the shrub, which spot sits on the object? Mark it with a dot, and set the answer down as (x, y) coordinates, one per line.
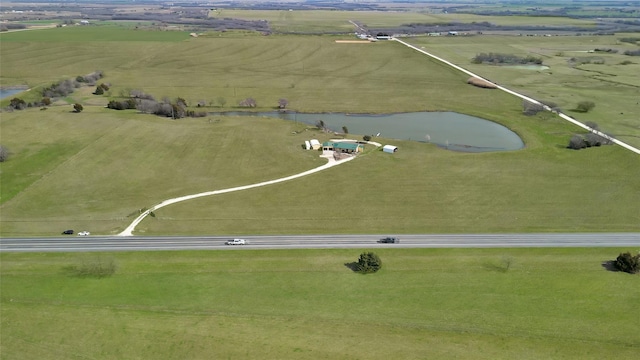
(627, 263)
(99, 90)
(585, 106)
(78, 107)
(366, 137)
(4, 153)
(577, 142)
(45, 101)
(368, 263)
(248, 102)
(17, 104)
(529, 108)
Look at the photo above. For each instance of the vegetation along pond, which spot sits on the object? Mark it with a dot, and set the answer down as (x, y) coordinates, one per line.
(449, 130)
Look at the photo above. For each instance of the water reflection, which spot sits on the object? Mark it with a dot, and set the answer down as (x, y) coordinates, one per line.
(449, 130)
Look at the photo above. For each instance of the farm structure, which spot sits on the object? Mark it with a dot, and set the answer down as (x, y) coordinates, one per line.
(389, 149)
(342, 147)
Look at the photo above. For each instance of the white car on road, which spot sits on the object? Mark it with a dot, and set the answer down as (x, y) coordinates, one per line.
(84, 233)
(235, 242)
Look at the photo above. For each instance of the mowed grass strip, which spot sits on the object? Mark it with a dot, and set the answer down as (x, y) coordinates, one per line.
(482, 303)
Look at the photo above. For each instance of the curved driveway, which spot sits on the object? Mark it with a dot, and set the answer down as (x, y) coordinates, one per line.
(331, 163)
(532, 100)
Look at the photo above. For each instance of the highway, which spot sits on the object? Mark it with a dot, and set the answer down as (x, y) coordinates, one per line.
(153, 243)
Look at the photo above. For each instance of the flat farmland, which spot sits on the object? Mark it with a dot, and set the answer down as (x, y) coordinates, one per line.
(306, 304)
(576, 73)
(98, 168)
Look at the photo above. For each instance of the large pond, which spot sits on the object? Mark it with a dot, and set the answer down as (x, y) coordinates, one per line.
(449, 130)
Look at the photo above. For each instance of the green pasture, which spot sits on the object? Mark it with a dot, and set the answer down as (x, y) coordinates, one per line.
(95, 170)
(327, 20)
(613, 86)
(306, 304)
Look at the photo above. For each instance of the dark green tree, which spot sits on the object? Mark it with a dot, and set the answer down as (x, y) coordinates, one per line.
(627, 263)
(368, 263)
(77, 107)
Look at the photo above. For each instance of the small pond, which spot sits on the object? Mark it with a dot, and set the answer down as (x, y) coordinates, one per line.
(449, 130)
(6, 92)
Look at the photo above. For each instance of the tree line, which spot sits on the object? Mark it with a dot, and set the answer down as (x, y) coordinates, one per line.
(497, 58)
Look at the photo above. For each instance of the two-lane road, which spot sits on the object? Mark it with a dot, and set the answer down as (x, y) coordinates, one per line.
(153, 243)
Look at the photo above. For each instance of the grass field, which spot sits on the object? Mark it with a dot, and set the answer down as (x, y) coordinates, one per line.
(326, 20)
(305, 304)
(96, 169)
(613, 86)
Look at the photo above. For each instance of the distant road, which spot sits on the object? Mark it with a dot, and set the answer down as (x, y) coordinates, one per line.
(630, 241)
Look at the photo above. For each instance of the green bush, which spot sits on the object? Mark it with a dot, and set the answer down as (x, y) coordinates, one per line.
(368, 263)
(627, 263)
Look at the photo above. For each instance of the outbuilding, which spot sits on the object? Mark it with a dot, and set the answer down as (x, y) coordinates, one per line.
(390, 149)
(315, 144)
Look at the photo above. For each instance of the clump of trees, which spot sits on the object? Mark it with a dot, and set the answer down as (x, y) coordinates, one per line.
(248, 102)
(19, 104)
(100, 89)
(510, 59)
(627, 263)
(530, 108)
(632, 52)
(590, 139)
(368, 263)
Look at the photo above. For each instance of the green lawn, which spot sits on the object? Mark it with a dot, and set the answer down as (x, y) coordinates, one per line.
(305, 304)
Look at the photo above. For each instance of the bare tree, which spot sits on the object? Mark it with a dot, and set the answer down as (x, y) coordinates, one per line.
(4, 153)
(248, 102)
(282, 103)
(529, 108)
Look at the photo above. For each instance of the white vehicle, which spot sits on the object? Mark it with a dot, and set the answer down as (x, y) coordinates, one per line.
(84, 233)
(235, 242)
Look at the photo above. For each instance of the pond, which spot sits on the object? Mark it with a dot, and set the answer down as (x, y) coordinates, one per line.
(6, 92)
(449, 130)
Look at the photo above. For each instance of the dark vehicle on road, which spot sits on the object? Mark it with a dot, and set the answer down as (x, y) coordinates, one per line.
(389, 240)
(67, 232)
